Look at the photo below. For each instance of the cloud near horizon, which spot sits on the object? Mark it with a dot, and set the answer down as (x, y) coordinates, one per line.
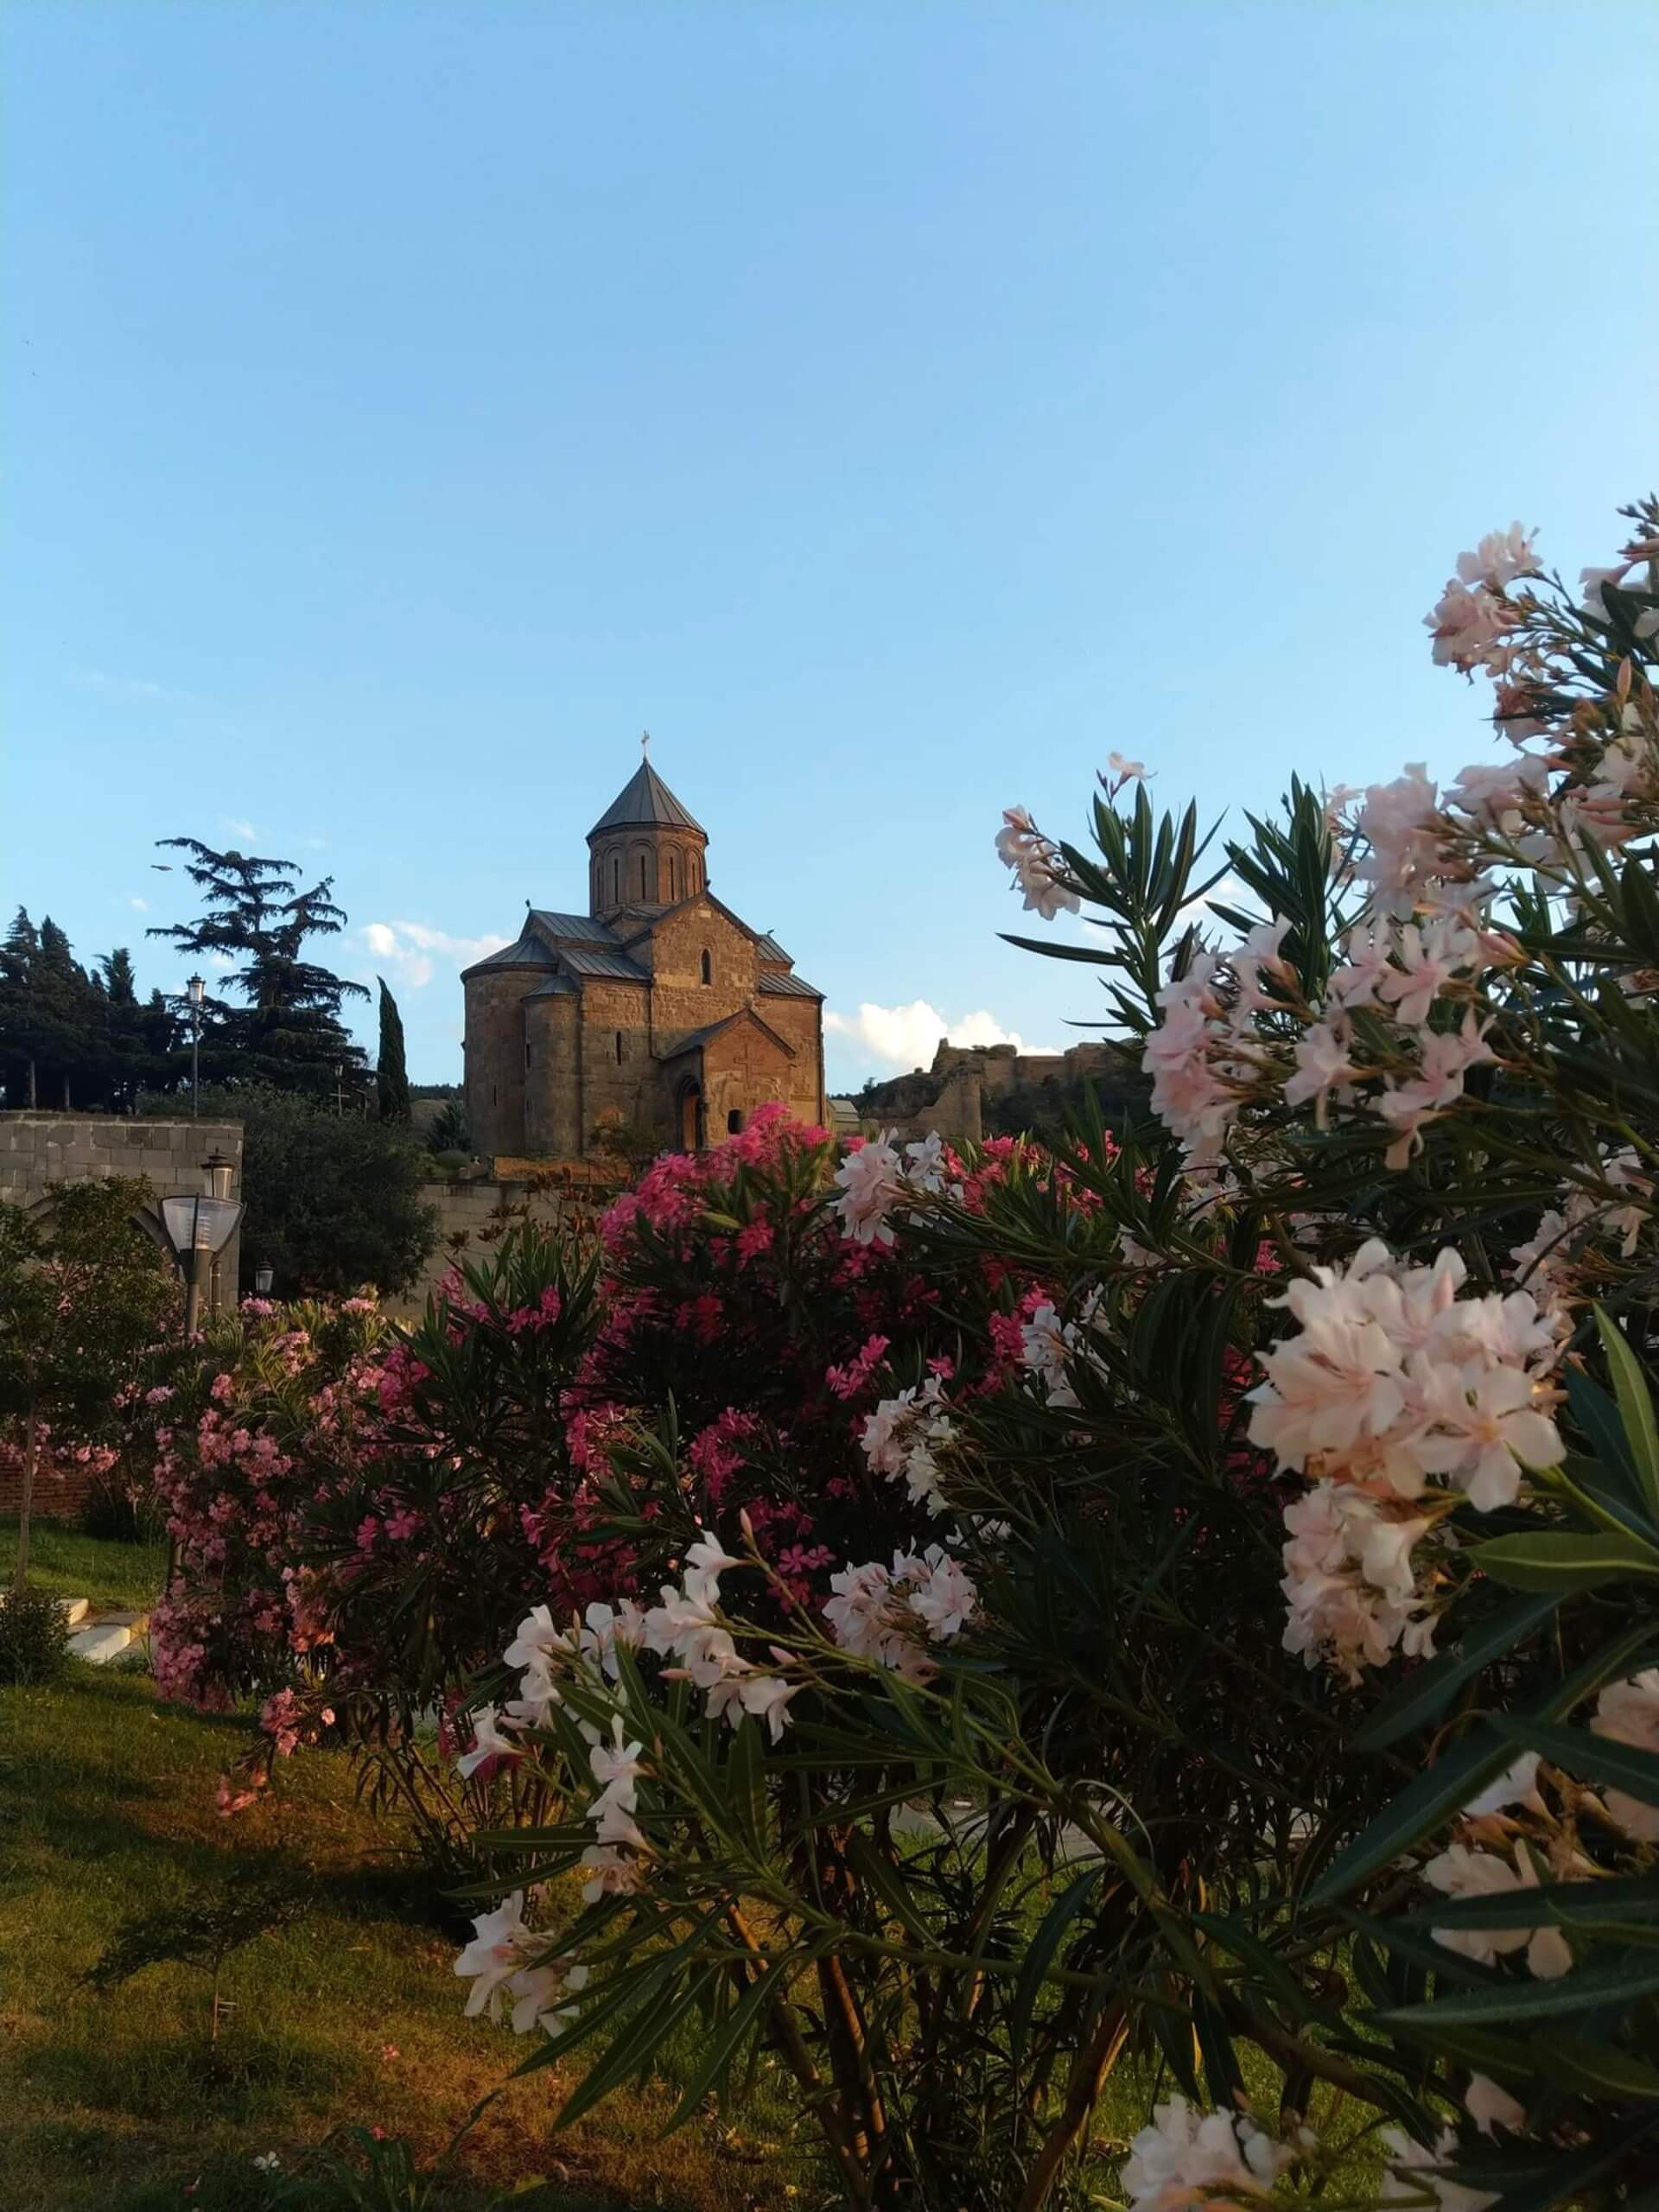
(907, 1036)
(411, 949)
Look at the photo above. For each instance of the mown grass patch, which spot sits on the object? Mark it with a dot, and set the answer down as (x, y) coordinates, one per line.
(115, 1578)
(353, 2013)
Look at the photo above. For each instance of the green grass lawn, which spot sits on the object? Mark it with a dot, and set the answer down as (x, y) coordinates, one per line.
(115, 1578)
(351, 2014)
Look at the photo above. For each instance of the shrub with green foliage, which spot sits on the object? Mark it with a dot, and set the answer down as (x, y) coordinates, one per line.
(34, 1637)
(334, 1200)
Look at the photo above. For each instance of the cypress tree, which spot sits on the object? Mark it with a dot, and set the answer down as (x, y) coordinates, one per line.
(392, 1072)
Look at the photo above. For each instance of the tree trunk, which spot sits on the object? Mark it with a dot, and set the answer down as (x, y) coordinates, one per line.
(26, 1502)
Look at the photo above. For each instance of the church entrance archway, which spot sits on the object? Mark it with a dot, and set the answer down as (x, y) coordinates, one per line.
(693, 1122)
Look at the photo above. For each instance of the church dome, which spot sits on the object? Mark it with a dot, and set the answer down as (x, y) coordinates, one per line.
(645, 800)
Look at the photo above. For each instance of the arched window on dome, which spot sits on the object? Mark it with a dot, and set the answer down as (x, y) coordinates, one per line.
(673, 892)
(616, 881)
(708, 968)
(642, 875)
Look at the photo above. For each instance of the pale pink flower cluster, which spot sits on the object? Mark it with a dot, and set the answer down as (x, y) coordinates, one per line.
(1461, 1871)
(508, 1964)
(1187, 2159)
(687, 1627)
(1394, 1383)
(1628, 1712)
(612, 1861)
(1472, 617)
(1204, 1057)
(903, 1437)
(874, 1180)
(1412, 2162)
(1038, 869)
(891, 1615)
(1051, 1347)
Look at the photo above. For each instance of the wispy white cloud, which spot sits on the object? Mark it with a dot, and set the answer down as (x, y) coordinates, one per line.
(139, 688)
(234, 825)
(139, 906)
(413, 950)
(907, 1036)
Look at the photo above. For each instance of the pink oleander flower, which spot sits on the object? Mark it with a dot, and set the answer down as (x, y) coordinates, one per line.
(1021, 847)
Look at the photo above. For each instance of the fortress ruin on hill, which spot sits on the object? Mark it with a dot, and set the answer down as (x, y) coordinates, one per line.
(982, 1091)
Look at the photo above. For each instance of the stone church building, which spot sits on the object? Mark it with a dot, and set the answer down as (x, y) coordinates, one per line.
(657, 1011)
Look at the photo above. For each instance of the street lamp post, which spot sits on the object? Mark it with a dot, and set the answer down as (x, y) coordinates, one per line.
(199, 1226)
(195, 990)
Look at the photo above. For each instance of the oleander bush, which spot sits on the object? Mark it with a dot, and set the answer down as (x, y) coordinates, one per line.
(970, 1620)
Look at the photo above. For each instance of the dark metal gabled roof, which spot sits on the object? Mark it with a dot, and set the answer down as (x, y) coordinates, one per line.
(556, 986)
(775, 986)
(582, 961)
(528, 952)
(645, 799)
(571, 929)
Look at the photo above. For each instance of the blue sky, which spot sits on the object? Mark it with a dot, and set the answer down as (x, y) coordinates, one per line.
(895, 408)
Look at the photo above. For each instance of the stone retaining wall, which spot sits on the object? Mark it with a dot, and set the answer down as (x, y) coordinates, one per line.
(37, 1149)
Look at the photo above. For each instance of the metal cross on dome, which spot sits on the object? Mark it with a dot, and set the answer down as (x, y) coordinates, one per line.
(644, 743)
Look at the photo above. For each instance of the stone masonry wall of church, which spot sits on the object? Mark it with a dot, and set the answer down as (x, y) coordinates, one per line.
(741, 1069)
(681, 1000)
(796, 1022)
(495, 1059)
(552, 1041)
(620, 1092)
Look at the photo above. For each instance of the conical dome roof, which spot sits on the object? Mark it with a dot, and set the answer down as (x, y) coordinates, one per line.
(645, 799)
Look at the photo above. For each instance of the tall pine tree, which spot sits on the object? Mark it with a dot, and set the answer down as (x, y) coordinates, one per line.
(288, 1029)
(391, 1071)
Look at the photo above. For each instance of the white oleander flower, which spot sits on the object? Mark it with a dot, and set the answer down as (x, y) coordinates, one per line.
(1459, 1871)
(1628, 1712)
(1184, 2157)
(1410, 2160)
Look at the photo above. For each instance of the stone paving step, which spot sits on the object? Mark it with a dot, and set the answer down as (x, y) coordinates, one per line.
(102, 1642)
(74, 1610)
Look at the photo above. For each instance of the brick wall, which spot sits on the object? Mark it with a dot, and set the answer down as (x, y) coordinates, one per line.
(60, 1492)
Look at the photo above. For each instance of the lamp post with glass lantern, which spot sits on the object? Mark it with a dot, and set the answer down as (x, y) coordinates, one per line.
(198, 1227)
(195, 990)
(264, 1276)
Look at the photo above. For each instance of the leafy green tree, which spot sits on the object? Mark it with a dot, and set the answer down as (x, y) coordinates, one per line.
(288, 1029)
(391, 1070)
(19, 1042)
(333, 1200)
(82, 1292)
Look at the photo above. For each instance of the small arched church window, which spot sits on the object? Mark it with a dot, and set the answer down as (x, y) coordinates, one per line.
(671, 895)
(618, 1048)
(733, 1122)
(708, 969)
(616, 881)
(642, 875)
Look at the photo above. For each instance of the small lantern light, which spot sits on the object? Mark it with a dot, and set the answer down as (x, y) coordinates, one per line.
(195, 990)
(264, 1276)
(199, 1226)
